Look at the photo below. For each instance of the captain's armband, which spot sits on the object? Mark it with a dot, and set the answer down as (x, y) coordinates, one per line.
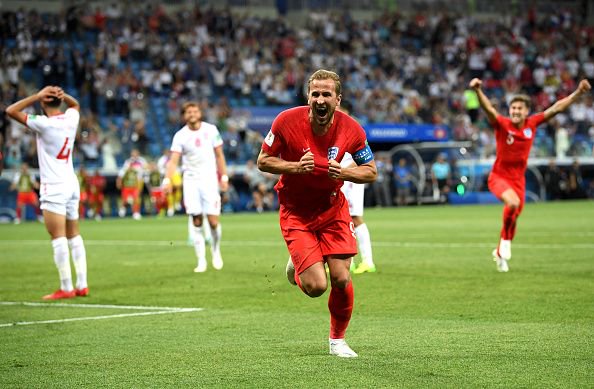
(363, 156)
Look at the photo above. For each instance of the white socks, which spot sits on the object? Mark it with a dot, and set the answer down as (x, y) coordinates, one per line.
(216, 235)
(62, 260)
(364, 242)
(199, 245)
(190, 228)
(79, 258)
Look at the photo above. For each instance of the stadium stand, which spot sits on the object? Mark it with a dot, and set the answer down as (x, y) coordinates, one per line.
(132, 67)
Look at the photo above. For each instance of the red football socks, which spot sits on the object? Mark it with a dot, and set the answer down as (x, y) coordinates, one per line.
(340, 304)
(508, 231)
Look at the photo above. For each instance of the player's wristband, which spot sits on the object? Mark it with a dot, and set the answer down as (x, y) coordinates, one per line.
(166, 181)
(224, 178)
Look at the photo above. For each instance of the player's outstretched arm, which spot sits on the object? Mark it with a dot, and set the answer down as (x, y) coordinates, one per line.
(562, 104)
(270, 164)
(484, 101)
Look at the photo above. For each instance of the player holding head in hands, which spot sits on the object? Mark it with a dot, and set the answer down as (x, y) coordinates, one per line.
(204, 170)
(514, 137)
(60, 191)
(304, 145)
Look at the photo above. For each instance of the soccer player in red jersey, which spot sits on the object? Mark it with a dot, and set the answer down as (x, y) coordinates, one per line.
(514, 137)
(96, 187)
(304, 145)
(25, 184)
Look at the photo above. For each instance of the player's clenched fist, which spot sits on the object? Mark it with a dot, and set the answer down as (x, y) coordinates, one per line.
(584, 86)
(475, 83)
(306, 163)
(334, 169)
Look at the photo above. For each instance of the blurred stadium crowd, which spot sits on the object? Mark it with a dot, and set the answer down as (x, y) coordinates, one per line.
(132, 68)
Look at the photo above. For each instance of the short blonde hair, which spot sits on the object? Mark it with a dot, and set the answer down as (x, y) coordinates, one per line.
(323, 74)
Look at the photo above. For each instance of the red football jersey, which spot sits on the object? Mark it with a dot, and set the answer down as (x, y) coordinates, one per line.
(291, 136)
(513, 144)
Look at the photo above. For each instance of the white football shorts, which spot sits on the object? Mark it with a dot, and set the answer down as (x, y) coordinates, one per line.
(354, 194)
(201, 199)
(62, 198)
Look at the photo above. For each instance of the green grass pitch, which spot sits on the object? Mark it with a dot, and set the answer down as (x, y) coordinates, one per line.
(436, 314)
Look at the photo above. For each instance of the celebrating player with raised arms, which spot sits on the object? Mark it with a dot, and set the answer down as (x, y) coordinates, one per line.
(60, 192)
(514, 137)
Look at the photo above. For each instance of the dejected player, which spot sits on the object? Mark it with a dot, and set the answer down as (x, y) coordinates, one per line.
(514, 137)
(60, 192)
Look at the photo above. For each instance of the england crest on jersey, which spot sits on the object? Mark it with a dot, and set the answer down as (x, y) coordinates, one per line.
(332, 153)
(528, 133)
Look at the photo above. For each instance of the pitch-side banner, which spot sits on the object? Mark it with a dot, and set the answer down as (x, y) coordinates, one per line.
(390, 132)
(260, 118)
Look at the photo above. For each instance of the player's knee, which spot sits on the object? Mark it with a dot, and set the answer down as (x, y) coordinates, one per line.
(197, 220)
(513, 204)
(341, 281)
(314, 288)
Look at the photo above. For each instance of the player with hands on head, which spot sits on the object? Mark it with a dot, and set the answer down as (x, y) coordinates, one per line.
(60, 193)
(514, 136)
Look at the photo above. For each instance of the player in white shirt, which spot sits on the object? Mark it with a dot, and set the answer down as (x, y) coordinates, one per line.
(354, 194)
(200, 146)
(60, 191)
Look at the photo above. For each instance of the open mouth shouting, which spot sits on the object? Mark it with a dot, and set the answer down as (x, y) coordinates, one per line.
(322, 114)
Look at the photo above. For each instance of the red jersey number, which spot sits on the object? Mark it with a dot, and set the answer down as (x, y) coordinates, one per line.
(64, 151)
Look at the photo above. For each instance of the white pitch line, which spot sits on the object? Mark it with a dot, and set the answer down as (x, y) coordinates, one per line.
(153, 311)
(235, 243)
(139, 307)
(26, 323)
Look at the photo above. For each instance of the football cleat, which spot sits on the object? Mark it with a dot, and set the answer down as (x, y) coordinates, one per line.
(502, 266)
(217, 260)
(201, 268)
(82, 292)
(60, 294)
(504, 249)
(364, 268)
(341, 349)
(291, 272)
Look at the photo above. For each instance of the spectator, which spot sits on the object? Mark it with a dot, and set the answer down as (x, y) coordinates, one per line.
(402, 182)
(382, 187)
(138, 138)
(441, 177)
(575, 182)
(261, 186)
(554, 181)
